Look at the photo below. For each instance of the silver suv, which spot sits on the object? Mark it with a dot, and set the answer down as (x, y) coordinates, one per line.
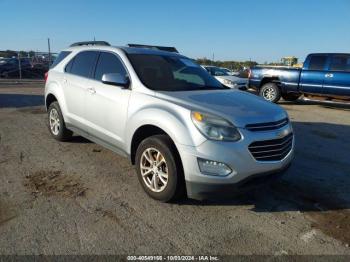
(185, 132)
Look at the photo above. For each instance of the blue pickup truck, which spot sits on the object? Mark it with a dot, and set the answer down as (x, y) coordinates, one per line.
(322, 74)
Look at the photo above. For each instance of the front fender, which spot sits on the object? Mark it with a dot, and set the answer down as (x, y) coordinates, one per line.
(176, 122)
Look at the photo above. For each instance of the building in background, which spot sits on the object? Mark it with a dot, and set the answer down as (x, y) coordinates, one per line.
(289, 60)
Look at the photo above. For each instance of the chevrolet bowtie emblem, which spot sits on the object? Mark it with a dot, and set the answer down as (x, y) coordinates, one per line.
(283, 133)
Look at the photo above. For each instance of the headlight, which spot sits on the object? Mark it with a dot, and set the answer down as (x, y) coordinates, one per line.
(214, 127)
(228, 82)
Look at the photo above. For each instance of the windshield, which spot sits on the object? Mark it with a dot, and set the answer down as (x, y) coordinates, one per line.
(216, 71)
(226, 70)
(172, 73)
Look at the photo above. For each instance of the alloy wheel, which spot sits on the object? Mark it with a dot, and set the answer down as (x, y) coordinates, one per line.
(269, 93)
(154, 170)
(54, 122)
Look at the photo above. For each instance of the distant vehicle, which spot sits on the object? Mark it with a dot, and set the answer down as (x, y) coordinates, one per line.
(11, 65)
(227, 79)
(325, 74)
(3, 61)
(228, 71)
(183, 130)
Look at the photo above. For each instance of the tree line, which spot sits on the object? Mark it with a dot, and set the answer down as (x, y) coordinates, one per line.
(233, 65)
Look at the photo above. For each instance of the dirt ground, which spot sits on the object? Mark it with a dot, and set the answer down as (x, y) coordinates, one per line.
(79, 198)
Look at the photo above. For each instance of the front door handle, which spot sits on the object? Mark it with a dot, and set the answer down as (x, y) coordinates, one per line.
(328, 75)
(91, 90)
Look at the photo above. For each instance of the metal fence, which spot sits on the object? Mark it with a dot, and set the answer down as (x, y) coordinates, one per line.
(25, 65)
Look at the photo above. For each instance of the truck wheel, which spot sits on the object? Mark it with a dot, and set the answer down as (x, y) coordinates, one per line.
(57, 127)
(291, 96)
(270, 92)
(159, 168)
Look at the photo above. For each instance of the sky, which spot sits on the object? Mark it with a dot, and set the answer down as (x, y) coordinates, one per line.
(260, 30)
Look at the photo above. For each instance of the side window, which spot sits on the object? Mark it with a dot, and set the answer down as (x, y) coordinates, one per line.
(59, 58)
(83, 63)
(108, 63)
(317, 62)
(69, 66)
(340, 63)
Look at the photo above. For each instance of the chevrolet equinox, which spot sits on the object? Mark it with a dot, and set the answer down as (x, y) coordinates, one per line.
(185, 132)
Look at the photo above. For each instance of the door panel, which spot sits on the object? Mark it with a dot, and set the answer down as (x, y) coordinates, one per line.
(313, 75)
(337, 81)
(107, 105)
(78, 71)
(74, 93)
(312, 81)
(106, 112)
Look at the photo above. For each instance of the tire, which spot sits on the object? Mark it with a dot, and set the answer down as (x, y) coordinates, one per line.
(270, 92)
(56, 124)
(169, 163)
(291, 96)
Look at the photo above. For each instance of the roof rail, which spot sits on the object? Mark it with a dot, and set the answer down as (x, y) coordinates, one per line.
(162, 48)
(104, 43)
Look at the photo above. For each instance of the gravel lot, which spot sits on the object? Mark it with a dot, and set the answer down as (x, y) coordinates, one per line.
(79, 198)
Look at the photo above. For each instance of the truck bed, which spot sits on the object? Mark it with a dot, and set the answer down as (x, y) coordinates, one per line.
(287, 77)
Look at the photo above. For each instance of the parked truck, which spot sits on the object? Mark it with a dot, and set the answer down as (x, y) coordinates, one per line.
(323, 74)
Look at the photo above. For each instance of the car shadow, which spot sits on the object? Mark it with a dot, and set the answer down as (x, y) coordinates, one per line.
(318, 179)
(19, 100)
(79, 140)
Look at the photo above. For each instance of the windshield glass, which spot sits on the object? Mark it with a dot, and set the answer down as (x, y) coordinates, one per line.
(216, 71)
(172, 73)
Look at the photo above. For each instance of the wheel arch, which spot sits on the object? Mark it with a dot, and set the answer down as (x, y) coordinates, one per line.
(50, 98)
(141, 134)
(270, 79)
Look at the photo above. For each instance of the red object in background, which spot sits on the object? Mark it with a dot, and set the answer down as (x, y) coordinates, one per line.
(46, 76)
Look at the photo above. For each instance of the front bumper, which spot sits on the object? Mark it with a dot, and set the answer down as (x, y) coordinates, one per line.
(240, 86)
(201, 191)
(236, 155)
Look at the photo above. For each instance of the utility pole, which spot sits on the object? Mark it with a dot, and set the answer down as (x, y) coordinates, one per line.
(19, 65)
(213, 59)
(48, 44)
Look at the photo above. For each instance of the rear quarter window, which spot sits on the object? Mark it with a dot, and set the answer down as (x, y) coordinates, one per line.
(59, 58)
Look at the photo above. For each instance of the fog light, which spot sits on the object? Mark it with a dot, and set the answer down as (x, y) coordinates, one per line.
(213, 168)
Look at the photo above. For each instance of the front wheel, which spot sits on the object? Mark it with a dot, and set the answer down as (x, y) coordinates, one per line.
(270, 92)
(159, 168)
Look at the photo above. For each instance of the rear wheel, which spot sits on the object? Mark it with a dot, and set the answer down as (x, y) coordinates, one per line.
(270, 92)
(291, 96)
(159, 168)
(57, 126)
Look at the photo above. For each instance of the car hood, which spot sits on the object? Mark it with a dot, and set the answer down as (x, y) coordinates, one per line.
(241, 108)
(234, 79)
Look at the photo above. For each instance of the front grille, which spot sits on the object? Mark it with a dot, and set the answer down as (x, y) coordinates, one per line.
(268, 125)
(271, 150)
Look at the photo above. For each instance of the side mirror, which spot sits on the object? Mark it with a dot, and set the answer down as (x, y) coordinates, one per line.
(116, 79)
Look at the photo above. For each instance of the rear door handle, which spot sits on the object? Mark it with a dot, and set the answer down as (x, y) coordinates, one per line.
(328, 75)
(91, 90)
